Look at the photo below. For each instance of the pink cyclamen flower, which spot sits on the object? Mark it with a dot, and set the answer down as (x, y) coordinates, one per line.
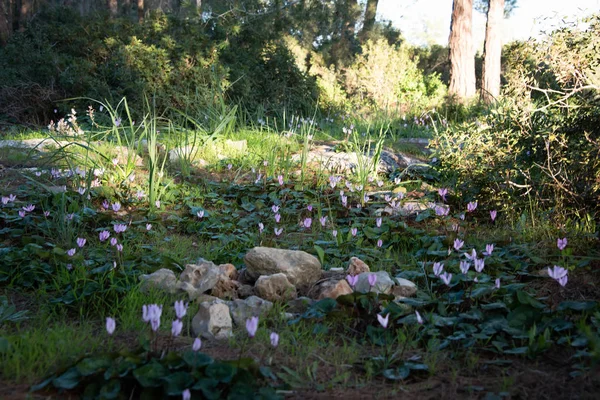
(200, 214)
(274, 339)
(464, 267)
(22, 214)
(29, 208)
(275, 209)
(280, 180)
(446, 278)
(489, 249)
(438, 268)
(379, 243)
(81, 242)
(378, 222)
(471, 206)
(383, 321)
(261, 227)
(105, 205)
(277, 217)
(110, 325)
(12, 198)
(119, 247)
(379, 183)
(334, 233)
(116, 206)
(148, 227)
(458, 244)
(252, 326)
(307, 222)
(180, 309)
(352, 280)
(309, 207)
(46, 214)
(497, 283)
(479, 264)
(443, 192)
(372, 278)
(493, 214)
(81, 190)
(354, 231)
(120, 228)
(561, 243)
(197, 344)
(104, 235)
(278, 231)
(471, 256)
(419, 318)
(559, 274)
(71, 252)
(186, 395)
(229, 166)
(4, 200)
(176, 327)
(113, 241)
(323, 220)
(157, 203)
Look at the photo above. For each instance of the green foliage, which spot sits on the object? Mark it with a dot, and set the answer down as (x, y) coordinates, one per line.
(114, 375)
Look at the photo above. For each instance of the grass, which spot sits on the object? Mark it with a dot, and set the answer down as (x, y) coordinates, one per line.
(341, 349)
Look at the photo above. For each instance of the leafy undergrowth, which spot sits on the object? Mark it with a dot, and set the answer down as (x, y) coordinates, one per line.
(487, 319)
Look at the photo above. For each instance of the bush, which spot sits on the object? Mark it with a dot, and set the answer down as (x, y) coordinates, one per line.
(541, 144)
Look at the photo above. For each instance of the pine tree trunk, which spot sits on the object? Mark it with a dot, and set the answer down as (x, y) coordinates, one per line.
(5, 21)
(24, 11)
(113, 8)
(490, 83)
(140, 10)
(462, 56)
(369, 21)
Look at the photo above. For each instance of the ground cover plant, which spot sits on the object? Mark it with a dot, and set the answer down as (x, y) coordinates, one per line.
(219, 233)
(109, 205)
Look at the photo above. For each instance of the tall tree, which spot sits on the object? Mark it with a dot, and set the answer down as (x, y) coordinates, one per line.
(113, 8)
(140, 10)
(6, 11)
(492, 52)
(24, 12)
(369, 20)
(462, 55)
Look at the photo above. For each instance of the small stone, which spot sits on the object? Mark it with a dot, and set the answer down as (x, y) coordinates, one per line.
(333, 289)
(299, 305)
(253, 306)
(245, 291)
(212, 321)
(225, 288)
(300, 268)
(244, 278)
(163, 279)
(275, 287)
(229, 271)
(383, 284)
(357, 266)
(198, 278)
(404, 288)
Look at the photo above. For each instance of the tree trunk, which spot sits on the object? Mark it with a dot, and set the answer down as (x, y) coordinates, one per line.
(140, 10)
(369, 21)
(492, 52)
(462, 56)
(24, 11)
(113, 8)
(5, 21)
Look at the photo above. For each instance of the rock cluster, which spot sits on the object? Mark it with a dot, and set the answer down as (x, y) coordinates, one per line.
(227, 296)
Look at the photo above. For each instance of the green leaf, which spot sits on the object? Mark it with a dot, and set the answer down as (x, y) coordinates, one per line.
(396, 374)
(577, 305)
(92, 365)
(208, 387)
(320, 253)
(177, 382)
(222, 372)
(516, 350)
(42, 384)
(526, 299)
(150, 375)
(4, 345)
(197, 360)
(67, 380)
(111, 389)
